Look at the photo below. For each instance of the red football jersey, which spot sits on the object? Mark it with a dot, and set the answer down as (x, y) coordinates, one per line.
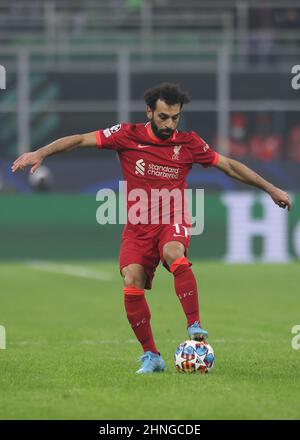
(149, 163)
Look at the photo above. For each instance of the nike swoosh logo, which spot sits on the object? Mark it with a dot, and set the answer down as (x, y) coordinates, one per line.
(144, 146)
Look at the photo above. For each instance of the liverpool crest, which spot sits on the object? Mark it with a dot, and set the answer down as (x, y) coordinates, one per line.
(176, 152)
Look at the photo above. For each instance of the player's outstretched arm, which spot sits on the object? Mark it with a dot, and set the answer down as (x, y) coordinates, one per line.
(35, 158)
(239, 171)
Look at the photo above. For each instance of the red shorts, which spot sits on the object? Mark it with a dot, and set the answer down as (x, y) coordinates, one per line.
(144, 246)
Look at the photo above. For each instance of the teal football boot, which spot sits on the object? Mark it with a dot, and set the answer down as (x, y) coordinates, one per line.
(196, 333)
(151, 363)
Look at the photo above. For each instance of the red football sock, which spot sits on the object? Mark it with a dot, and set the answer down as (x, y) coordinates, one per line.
(186, 289)
(139, 316)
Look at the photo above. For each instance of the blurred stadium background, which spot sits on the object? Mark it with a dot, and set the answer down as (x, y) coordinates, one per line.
(74, 66)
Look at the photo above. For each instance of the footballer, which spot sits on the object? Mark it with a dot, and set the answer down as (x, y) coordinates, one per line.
(155, 155)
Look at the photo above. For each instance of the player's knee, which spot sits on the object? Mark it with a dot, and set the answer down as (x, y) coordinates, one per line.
(170, 257)
(135, 279)
(131, 280)
(134, 275)
(172, 253)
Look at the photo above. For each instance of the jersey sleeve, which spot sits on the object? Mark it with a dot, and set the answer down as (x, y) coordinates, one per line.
(113, 138)
(202, 153)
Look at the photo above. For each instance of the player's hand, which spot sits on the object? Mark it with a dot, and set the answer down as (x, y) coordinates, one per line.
(33, 159)
(281, 198)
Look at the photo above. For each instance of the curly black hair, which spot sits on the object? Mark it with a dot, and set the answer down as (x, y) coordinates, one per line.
(169, 93)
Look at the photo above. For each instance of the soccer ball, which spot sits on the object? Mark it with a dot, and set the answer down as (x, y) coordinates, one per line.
(194, 357)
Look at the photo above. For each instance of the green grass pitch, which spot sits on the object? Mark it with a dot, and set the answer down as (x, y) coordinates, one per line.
(72, 355)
